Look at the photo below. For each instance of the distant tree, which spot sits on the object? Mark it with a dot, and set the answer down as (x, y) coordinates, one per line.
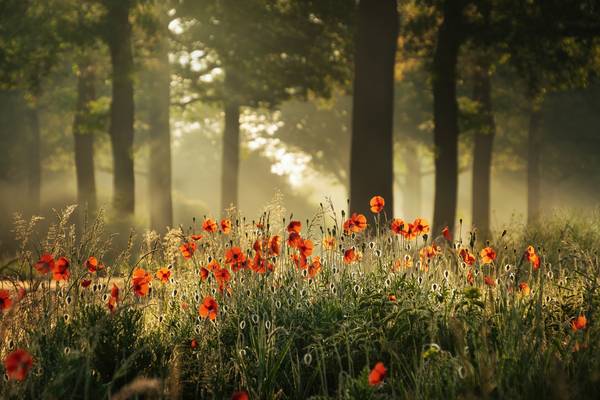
(371, 159)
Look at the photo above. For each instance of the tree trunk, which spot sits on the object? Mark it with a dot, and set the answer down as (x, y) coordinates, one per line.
(371, 155)
(84, 137)
(533, 164)
(122, 107)
(482, 150)
(413, 187)
(445, 116)
(159, 180)
(34, 163)
(231, 157)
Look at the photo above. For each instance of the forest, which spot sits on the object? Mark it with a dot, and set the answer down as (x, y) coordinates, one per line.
(292, 199)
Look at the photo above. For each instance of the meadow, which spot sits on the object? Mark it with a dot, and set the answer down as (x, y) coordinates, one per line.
(336, 307)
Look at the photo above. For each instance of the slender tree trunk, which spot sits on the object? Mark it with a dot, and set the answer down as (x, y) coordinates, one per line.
(445, 116)
(159, 180)
(533, 164)
(34, 163)
(84, 137)
(413, 189)
(371, 155)
(231, 156)
(482, 150)
(122, 107)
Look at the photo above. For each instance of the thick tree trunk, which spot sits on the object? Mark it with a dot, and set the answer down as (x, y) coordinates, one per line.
(445, 116)
(122, 107)
(34, 164)
(231, 157)
(482, 150)
(84, 137)
(371, 155)
(159, 180)
(413, 187)
(533, 164)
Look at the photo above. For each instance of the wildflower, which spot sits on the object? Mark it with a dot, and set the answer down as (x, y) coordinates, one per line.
(377, 374)
(447, 234)
(488, 280)
(579, 323)
(428, 252)
(235, 258)
(350, 255)
(240, 395)
(356, 223)
(294, 226)
(377, 203)
(467, 257)
(294, 239)
(222, 276)
(212, 265)
(208, 308)
(226, 226)
(209, 225)
(524, 288)
(17, 364)
(113, 299)
(420, 226)
(45, 264)
(188, 249)
(194, 344)
(397, 226)
(487, 255)
(392, 298)
(314, 267)
(141, 282)
(532, 257)
(470, 277)
(60, 271)
(163, 274)
(5, 301)
(92, 264)
(328, 242)
(196, 237)
(274, 245)
(204, 273)
(306, 247)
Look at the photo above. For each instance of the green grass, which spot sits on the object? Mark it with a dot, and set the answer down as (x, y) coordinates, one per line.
(281, 335)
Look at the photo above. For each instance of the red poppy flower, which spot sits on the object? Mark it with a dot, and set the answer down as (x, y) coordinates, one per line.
(204, 273)
(141, 282)
(377, 203)
(397, 225)
(579, 323)
(532, 257)
(222, 276)
(163, 274)
(524, 288)
(240, 395)
(350, 256)
(294, 226)
(294, 239)
(260, 265)
(356, 223)
(377, 374)
(314, 267)
(420, 226)
(86, 282)
(392, 298)
(92, 264)
(5, 301)
(208, 308)
(17, 364)
(194, 344)
(447, 234)
(470, 277)
(45, 264)
(466, 256)
(235, 258)
(487, 255)
(209, 225)
(489, 281)
(196, 237)
(188, 249)
(275, 245)
(114, 292)
(60, 272)
(225, 226)
(306, 247)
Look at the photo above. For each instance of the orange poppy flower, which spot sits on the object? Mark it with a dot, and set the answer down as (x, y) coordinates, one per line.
(447, 234)
(350, 256)
(45, 264)
(240, 395)
(209, 225)
(163, 274)
(489, 281)
(235, 258)
(5, 301)
(294, 226)
(428, 252)
(314, 267)
(377, 374)
(408, 231)
(60, 272)
(208, 308)
(196, 237)
(213, 264)
(420, 226)
(225, 226)
(17, 364)
(275, 245)
(524, 288)
(487, 255)
(299, 261)
(92, 264)
(466, 256)
(141, 282)
(328, 242)
(294, 239)
(113, 299)
(306, 247)
(579, 323)
(356, 223)
(377, 203)
(204, 273)
(188, 249)
(222, 275)
(397, 225)
(260, 265)
(532, 257)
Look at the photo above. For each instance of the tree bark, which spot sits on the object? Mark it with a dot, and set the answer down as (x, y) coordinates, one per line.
(34, 164)
(482, 150)
(371, 154)
(84, 137)
(231, 156)
(445, 115)
(413, 189)
(533, 164)
(159, 179)
(122, 107)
